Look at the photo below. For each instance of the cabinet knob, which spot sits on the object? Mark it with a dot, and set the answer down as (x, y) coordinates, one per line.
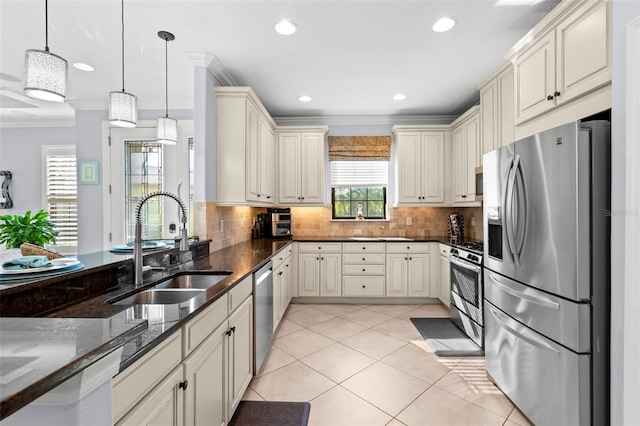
(233, 329)
(268, 196)
(258, 195)
(228, 332)
(303, 198)
(280, 273)
(364, 286)
(549, 97)
(183, 385)
(364, 248)
(556, 93)
(322, 258)
(298, 198)
(411, 258)
(363, 270)
(464, 196)
(408, 247)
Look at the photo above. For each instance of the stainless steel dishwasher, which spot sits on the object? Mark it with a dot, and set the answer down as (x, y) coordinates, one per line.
(263, 294)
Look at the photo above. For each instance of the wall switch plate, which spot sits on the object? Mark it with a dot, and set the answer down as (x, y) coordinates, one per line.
(221, 225)
(357, 232)
(409, 221)
(473, 221)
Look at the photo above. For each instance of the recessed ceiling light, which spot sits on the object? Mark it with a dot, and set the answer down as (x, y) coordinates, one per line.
(443, 24)
(286, 27)
(83, 67)
(304, 98)
(399, 97)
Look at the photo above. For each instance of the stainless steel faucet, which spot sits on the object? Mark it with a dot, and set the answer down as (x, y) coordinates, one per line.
(137, 246)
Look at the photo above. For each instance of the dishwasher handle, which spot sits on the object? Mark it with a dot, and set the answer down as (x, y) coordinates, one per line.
(264, 273)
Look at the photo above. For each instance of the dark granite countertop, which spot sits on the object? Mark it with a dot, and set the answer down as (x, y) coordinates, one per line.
(363, 239)
(38, 354)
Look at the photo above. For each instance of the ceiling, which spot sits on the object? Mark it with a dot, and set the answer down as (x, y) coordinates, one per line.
(350, 56)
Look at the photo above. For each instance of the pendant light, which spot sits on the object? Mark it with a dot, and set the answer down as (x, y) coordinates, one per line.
(45, 74)
(123, 110)
(167, 127)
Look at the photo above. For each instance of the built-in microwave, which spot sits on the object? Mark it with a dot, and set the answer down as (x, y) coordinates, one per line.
(479, 183)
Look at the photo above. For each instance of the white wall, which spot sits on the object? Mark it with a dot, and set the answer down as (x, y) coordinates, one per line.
(625, 371)
(21, 154)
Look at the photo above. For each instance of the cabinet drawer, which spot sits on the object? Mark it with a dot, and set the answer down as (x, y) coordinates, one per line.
(319, 247)
(363, 269)
(363, 286)
(363, 247)
(138, 379)
(279, 258)
(363, 259)
(240, 292)
(201, 326)
(407, 247)
(444, 249)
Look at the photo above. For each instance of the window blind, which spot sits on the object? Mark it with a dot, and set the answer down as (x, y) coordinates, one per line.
(62, 193)
(359, 148)
(359, 173)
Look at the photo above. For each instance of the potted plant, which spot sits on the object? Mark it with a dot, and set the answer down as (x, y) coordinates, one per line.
(27, 228)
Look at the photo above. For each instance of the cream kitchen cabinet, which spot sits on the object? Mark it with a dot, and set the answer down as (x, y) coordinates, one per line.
(281, 285)
(407, 270)
(420, 164)
(567, 58)
(319, 271)
(197, 375)
(496, 110)
(301, 164)
(466, 155)
(444, 274)
(246, 149)
(363, 269)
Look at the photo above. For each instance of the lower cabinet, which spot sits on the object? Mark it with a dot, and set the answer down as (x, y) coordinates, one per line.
(408, 270)
(210, 364)
(319, 272)
(205, 371)
(281, 290)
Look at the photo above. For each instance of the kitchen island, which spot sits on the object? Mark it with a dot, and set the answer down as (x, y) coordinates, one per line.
(148, 327)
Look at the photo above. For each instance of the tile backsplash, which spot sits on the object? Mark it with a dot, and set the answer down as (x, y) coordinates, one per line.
(316, 222)
(236, 223)
(425, 222)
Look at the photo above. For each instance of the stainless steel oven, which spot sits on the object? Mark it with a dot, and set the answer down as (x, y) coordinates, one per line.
(467, 292)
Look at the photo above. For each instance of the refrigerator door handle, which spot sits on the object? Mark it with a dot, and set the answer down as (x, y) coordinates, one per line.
(509, 214)
(524, 196)
(532, 340)
(521, 295)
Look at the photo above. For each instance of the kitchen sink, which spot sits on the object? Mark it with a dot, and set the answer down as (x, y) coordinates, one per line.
(159, 297)
(394, 239)
(194, 281)
(364, 238)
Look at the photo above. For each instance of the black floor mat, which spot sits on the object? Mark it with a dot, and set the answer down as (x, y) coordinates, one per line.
(445, 338)
(271, 413)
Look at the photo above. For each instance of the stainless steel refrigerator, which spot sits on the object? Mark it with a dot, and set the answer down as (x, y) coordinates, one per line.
(547, 273)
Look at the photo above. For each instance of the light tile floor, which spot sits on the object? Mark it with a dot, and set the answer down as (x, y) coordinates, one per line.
(368, 365)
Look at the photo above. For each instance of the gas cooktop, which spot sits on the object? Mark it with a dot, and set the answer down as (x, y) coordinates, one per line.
(471, 246)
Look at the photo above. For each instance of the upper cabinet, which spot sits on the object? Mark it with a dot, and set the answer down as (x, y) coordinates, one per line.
(466, 155)
(301, 164)
(568, 57)
(496, 110)
(420, 164)
(246, 149)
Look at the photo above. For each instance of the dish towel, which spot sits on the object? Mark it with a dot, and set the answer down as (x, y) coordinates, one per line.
(27, 262)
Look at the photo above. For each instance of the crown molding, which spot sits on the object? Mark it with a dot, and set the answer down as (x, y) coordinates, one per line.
(364, 120)
(213, 64)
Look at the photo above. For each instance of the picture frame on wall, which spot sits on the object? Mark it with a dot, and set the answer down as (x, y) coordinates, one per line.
(88, 172)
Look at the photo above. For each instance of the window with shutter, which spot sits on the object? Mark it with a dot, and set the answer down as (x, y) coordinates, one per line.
(61, 194)
(359, 187)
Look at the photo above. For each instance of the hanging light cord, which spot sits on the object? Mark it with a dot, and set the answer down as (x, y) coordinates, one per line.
(46, 25)
(166, 75)
(122, 46)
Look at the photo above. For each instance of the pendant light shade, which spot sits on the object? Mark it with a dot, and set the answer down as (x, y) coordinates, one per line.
(123, 106)
(45, 74)
(123, 110)
(167, 128)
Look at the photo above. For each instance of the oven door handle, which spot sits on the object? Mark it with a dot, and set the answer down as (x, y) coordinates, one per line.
(464, 264)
